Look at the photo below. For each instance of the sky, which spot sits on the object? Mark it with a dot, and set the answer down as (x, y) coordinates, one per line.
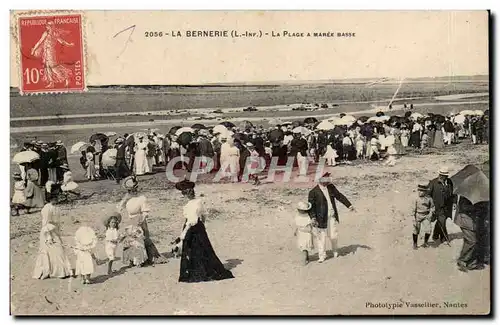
(390, 44)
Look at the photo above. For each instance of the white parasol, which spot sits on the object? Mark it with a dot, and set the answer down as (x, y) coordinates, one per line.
(110, 134)
(301, 130)
(184, 129)
(109, 158)
(325, 125)
(79, 146)
(219, 129)
(24, 157)
(467, 112)
(349, 119)
(478, 112)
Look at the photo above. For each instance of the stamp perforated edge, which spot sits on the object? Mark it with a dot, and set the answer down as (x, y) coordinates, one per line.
(15, 15)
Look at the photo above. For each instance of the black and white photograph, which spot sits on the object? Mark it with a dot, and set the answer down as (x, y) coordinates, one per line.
(249, 163)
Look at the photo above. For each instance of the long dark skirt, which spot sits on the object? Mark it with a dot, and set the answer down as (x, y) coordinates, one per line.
(152, 252)
(199, 262)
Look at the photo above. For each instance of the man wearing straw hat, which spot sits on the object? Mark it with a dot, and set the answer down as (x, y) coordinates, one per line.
(324, 214)
(441, 191)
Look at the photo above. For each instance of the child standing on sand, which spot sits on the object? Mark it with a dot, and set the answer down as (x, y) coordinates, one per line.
(85, 242)
(303, 230)
(112, 238)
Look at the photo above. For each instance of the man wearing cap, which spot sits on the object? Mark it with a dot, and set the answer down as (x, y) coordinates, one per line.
(324, 214)
(422, 211)
(441, 191)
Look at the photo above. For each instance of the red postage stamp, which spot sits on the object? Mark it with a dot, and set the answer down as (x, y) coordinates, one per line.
(51, 57)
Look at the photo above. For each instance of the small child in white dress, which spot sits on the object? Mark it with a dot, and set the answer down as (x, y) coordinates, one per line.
(112, 238)
(85, 242)
(18, 199)
(303, 230)
(360, 146)
(330, 155)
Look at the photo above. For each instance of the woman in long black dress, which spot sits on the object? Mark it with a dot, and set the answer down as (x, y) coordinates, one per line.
(199, 262)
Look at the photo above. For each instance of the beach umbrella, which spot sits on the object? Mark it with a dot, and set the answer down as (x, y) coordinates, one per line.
(110, 134)
(198, 126)
(471, 183)
(24, 157)
(184, 130)
(228, 124)
(185, 138)
(286, 123)
(109, 158)
(325, 125)
(99, 136)
(219, 129)
(349, 118)
(310, 120)
(337, 121)
(467, 112)
(478, 112)
(79, 146)
(174, 129)
(301, 130)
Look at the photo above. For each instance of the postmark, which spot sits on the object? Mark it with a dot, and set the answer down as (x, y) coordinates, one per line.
(51, 53)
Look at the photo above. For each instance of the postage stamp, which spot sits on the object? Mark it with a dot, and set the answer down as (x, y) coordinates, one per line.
(51, 53)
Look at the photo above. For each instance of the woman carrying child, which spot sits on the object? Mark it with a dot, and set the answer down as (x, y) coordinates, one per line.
(138, 210)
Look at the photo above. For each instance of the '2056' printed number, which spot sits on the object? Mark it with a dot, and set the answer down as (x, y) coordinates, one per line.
(153, 34)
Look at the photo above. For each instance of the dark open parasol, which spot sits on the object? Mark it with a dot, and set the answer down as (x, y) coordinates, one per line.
(174, 129)
(310, 120)
(228, 124)
(198, 126)
(471, 183)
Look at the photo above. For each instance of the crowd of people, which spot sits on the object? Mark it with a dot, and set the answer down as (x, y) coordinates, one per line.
(41, 183)
(199, 261)
(229, 147)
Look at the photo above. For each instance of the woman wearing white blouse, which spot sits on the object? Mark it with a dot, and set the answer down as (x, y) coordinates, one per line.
(138, 210)
(198, 259)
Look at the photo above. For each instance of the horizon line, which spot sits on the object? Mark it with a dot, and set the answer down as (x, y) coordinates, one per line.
(280, 82)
